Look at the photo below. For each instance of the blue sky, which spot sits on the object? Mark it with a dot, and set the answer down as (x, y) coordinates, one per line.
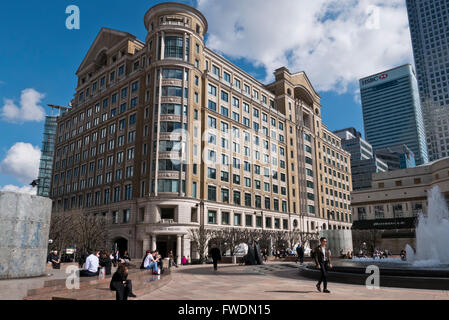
(37, 51)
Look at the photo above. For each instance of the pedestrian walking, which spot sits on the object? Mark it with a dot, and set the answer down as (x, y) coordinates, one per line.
(322, 257)
(300, 252)
(216, 256)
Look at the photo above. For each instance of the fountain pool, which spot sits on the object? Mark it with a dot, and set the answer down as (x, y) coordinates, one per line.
(425, 268)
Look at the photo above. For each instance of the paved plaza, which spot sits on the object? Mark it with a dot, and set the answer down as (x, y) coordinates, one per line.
(274, 281)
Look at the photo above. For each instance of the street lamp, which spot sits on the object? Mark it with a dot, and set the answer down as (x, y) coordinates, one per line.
(35, 183)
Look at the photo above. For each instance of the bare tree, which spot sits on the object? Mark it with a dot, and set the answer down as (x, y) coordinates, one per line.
(280, 240)
(308, 238)
(90, 231)
(60, 234)
(200, 238)
(293, 237)
(81, 230)
(232, 237)
(265, 239)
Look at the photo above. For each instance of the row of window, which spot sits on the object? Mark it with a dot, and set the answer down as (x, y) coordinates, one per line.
(237, 84)
(93, 151)
(99, 180)
(247, 199)
(250, 220)
(123, 92)
(398, 210)
(97, 198)
(104, 117)
(247, 182)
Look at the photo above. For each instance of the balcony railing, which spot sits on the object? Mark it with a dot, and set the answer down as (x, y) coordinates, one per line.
(167, 221)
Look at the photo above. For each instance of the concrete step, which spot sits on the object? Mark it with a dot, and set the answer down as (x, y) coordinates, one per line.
(99, 289)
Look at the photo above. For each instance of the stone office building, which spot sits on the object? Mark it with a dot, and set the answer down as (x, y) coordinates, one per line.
(166, 135)
(364, 161)
(395, 200)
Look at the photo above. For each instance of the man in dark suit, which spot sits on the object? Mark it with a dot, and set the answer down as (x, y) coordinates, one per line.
(322, 257)
(300, 252)
(216, 256)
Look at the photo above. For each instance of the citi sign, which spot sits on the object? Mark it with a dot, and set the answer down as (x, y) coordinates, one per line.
(375, 78)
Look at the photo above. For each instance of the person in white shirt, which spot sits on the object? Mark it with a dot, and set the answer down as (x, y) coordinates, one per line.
(150, 263)
(322, 257)
(91, 265)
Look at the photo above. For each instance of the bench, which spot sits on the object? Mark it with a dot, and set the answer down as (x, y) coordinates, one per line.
(144, 282)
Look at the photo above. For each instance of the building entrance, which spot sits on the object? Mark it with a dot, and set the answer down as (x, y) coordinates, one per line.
(165, 244)
(121, 244)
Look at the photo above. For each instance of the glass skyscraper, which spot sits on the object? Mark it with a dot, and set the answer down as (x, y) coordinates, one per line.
(429, 27)
(392, 112)
(48, 151)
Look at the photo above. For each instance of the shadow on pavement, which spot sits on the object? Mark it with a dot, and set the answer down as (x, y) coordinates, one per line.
(222, 271)
(285, 291)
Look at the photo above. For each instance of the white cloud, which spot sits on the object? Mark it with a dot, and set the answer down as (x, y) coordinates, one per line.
(22, 162)
(357, 97)
(29, 110)
(24, 189)
(336, 42)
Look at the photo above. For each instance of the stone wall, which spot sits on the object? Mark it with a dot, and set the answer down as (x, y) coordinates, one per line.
(24, 230)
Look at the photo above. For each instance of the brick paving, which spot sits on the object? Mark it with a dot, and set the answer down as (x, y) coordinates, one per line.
(274, 281)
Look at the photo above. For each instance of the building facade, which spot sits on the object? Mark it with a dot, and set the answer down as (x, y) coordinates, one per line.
(392, 205)
(392, 111)
(166, 135)
(352, 141)
(396, 157)
(363, 160)
(429, 27)
(47, 156)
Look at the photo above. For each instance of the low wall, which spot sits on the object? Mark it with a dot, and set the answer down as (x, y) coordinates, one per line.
(24, 229)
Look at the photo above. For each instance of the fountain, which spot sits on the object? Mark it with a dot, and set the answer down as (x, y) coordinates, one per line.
(432, 234)
(426, 268)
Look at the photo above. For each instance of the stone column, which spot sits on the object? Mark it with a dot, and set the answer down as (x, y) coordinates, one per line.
(146, 245)
(178, 249)
(163, 45)
(153, 242)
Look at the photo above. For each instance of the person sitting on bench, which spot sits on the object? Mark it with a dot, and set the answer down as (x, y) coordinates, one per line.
(121, 285)
(150, 262)
(91, 265)
(55, 260)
